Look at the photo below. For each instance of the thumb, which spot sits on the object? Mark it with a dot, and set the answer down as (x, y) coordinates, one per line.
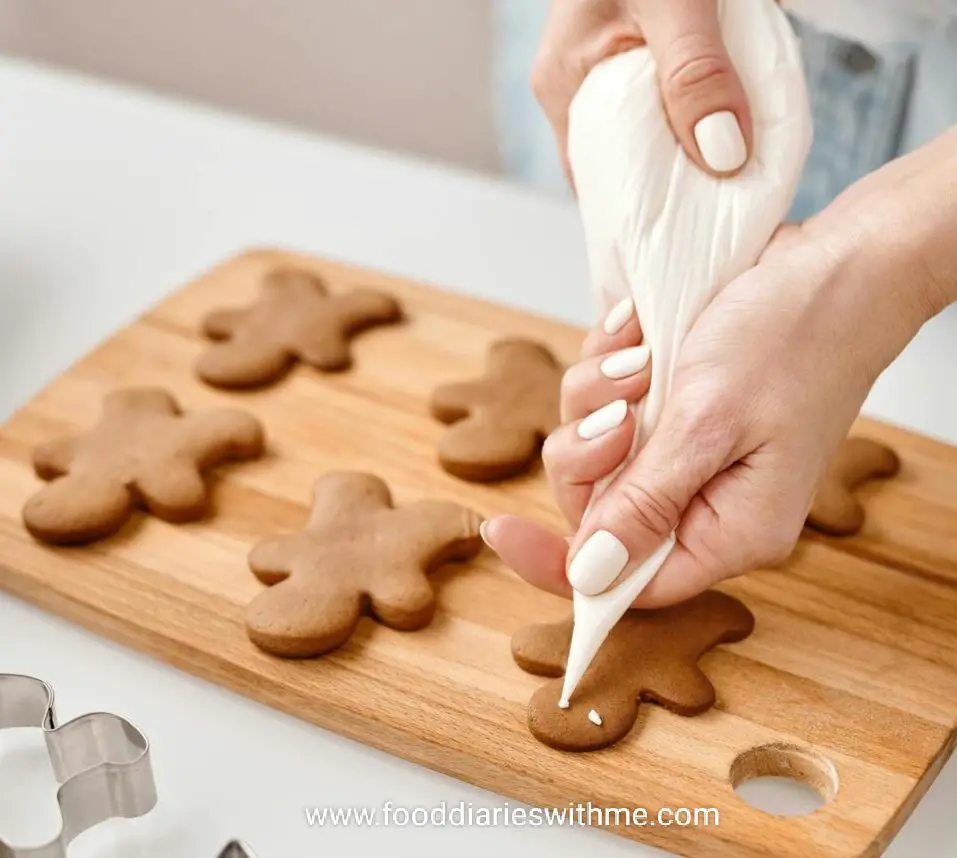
(643, 505)
(702, 93)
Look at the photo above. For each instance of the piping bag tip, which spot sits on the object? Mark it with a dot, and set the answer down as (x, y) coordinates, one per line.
(596, 616)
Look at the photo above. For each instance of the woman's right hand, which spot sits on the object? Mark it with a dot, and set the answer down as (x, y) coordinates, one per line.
(768, 382)
(702, 94)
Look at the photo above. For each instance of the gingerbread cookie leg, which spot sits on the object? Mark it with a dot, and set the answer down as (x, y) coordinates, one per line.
(220, 324)
(471, 452)
(243, 363)
(173, 491)
(836, 511)
(289, 621)
(404, 601)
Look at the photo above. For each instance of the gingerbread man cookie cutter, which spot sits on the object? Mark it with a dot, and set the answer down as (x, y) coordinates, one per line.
(101, 761)
(237, 849)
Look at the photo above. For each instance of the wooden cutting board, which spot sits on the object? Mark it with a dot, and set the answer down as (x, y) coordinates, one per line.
(849, 681)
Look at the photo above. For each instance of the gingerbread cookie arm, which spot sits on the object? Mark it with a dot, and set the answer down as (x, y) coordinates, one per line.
(363, 308)
(453, 402)
(219, 435)
(543, 649)
(53, 459)
(138, 400)
(432, 532)
(76, 509)
(504, 354)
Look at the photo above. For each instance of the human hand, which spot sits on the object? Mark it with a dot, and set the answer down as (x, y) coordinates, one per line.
(702, 94)
(768, 382)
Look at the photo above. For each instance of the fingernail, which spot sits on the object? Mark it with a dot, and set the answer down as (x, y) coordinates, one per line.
(618, 316)
(484, 534)
(603, 420)
(625, 362)
(721, 142)
(598, 562)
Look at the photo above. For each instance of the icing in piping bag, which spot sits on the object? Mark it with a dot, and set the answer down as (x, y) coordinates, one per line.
(661, 231)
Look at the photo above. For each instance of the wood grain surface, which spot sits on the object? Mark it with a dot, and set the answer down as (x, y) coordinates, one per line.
(848, 682)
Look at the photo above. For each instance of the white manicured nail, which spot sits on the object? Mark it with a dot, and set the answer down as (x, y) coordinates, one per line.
(603, 420)
(721, 142)
(598, 562)
(618, 316)
(626, 362)
(483, 534)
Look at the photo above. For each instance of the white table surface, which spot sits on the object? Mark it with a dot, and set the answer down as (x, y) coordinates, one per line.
(109, 199)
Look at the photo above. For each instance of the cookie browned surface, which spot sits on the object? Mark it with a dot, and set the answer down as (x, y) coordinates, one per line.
(501, 419)
(357, 555)
(144, 451)
(294, 319)
(835, 509)
(649, 656)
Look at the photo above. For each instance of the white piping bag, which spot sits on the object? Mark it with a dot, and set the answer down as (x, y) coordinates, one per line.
(663, 232)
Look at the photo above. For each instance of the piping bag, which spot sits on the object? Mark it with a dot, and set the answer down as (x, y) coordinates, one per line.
(661, 231)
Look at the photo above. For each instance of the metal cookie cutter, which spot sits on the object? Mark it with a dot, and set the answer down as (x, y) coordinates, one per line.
(237, 849)
(101, 761)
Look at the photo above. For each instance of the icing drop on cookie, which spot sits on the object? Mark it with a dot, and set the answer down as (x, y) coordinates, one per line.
(563, 703)
(595, 718)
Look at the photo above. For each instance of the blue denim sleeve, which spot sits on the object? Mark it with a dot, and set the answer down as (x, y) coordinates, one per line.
(859, 100)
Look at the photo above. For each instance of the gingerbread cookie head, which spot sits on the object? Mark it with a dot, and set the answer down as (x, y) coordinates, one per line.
(649, 656)
(835, 509)
(144, 451)
(357, 555)
(500, 420)
(294, 319)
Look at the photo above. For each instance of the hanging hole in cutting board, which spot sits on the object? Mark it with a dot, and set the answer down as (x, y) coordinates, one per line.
(783, 779)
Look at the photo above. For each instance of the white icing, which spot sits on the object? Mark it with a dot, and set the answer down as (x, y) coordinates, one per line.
(665, 233)
(595, 718)
(563, 704)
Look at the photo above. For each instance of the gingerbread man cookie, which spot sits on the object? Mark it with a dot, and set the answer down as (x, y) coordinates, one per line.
(649, 656)
(500, 420)
(357, 555)
(835, 510)
(144, 451)
(295, 319)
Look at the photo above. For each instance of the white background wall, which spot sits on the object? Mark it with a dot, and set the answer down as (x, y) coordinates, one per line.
(412, 75)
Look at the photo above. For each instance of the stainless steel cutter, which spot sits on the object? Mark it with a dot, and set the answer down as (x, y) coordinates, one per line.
(237, 849)
(101, 761)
